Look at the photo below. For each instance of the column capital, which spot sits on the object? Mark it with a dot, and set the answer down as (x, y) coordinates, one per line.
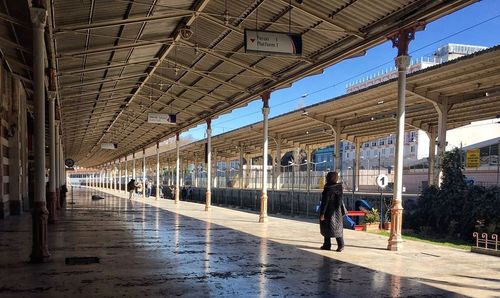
(38, 16)
(51, 96)
(338, 127)
(401, 38)
(402, 62)
(265, 97)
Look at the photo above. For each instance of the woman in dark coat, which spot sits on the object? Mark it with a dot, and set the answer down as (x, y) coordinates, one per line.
(331, 218)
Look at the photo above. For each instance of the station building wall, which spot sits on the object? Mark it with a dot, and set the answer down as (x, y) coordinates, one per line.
(13, 145)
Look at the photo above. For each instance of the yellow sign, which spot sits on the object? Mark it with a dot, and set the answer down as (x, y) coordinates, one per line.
(473, 159)
(321, 182)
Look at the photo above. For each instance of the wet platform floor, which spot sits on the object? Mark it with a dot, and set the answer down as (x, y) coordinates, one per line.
(149, 248)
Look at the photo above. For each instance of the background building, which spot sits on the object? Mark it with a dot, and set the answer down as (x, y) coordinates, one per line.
(380, 152)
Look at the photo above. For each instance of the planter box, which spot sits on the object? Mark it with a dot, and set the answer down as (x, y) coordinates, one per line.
(387, 225)
(371, 226)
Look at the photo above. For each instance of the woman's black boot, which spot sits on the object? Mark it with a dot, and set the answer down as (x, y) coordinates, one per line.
(340, 244)
(327, 244)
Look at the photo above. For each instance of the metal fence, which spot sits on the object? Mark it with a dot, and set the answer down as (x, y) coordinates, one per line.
(289, 178)
(486, 244)
(294, 177)
(294, 203)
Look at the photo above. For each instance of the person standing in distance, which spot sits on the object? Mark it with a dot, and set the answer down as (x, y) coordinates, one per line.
(331, 219)
(131, 188)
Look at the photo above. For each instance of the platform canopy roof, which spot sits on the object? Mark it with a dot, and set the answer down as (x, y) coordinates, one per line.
(116, 61)
(468, 86)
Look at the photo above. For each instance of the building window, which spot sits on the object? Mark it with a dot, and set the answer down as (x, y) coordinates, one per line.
(412, 149)
(366, 145)
(347, 155)
(383, 151)
(381, 142)
(392, 151)
(494, 154)
(390, 140)
(413, 136)
(484, 154)
(374, 143)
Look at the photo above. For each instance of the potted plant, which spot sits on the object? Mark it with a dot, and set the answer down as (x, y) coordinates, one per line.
(371, 220)
(387, 215)
(387, 220)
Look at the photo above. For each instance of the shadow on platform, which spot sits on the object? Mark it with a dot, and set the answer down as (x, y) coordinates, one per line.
(147, 251)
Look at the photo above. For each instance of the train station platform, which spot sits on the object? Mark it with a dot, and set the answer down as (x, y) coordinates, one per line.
(149, 248)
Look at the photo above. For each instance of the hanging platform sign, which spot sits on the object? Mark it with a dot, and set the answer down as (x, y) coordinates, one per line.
(161, 118)
(273, 42)
(109, 146)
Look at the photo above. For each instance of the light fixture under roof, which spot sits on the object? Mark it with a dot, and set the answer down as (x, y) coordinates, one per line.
(186, 32)
(491, 94)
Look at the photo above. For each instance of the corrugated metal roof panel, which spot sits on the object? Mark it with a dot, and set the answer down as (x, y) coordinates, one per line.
(331, 30)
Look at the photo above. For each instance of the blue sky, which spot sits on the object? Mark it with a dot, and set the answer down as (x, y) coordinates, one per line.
(477, 24)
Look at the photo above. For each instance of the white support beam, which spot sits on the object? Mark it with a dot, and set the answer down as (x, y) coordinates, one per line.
(263, 199)
(208, 195)
(157, 195)
(337, 155)
(143, 172)
(357, 166)
(431, 177)
(241, 153)
(442, 110)
(40, 249)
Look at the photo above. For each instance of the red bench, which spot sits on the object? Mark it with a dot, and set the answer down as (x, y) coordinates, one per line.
(353, 213)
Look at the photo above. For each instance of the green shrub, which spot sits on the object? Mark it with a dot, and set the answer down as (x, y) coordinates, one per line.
(456, 209)
(372, 216)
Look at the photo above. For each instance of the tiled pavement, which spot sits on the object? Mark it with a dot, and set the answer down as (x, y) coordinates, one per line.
(149, 248)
